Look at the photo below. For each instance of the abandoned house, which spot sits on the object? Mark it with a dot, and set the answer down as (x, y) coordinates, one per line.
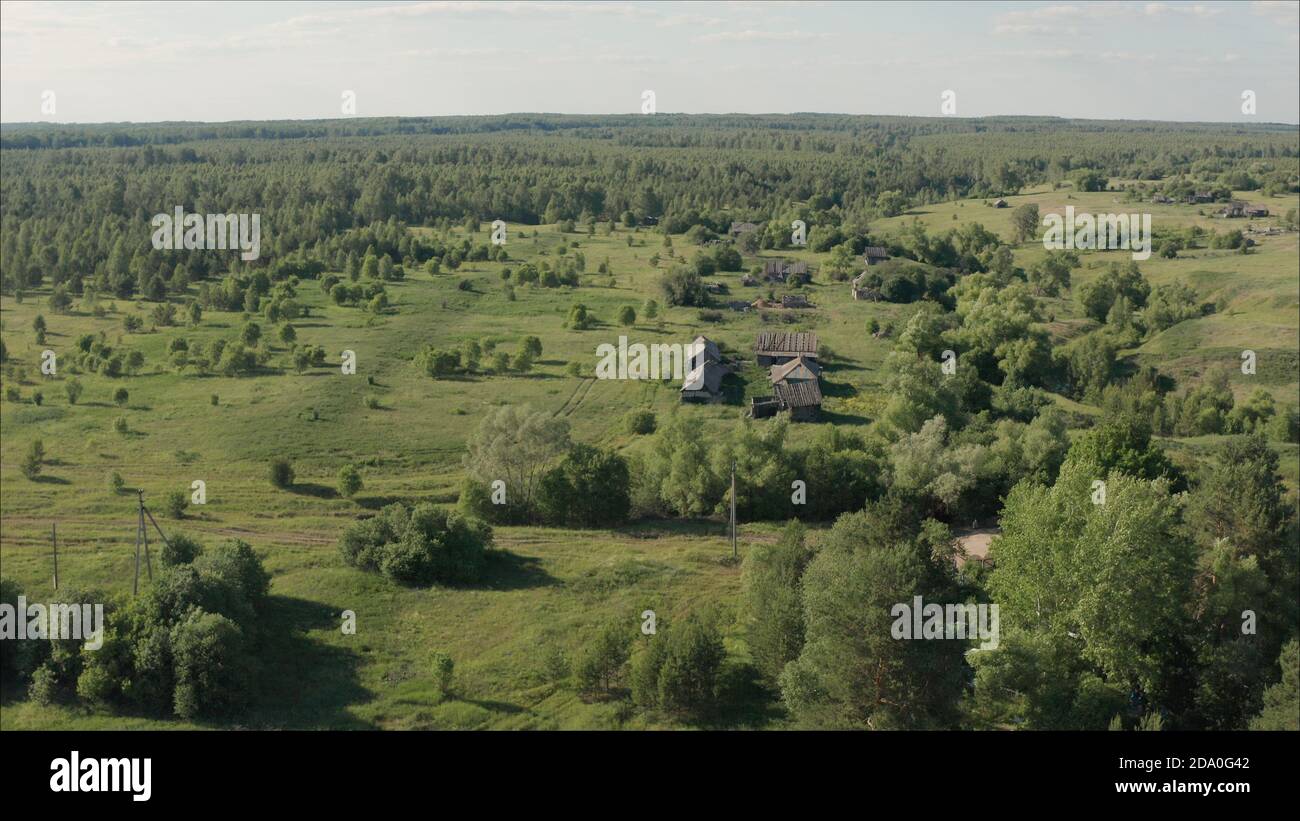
(702, 350)
(799, 369)
(795, 301)
(782, 270)
(779, 347)
(874, 255)
(704, 383)
(802, 400)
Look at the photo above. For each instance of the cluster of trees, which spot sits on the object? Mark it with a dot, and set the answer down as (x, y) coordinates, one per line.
(676, 671)
(419, 545)
(1144, 608)
(187, 646)
(474, 356)
(902, 280)
(522, 466)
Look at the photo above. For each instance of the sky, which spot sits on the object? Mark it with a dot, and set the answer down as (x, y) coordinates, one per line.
(221, 61)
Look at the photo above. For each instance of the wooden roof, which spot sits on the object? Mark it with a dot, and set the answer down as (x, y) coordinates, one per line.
(798, 394)
(796, 369)
(786, 343)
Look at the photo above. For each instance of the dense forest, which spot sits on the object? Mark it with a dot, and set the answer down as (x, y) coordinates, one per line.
(77, 201)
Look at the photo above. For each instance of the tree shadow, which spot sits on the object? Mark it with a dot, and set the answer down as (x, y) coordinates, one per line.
(841, 418)
(52, 480)
(504, 570)
(377, 502)
(313, 489)
(305, 683)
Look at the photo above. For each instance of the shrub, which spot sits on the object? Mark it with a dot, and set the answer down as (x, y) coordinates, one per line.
(179, 549)
(443, 667)
(419, 545)
(175, 502)
(215, 400)
(115, 482)
(281, 473)
(34, 460)
(639, 422)
(73, 389)
(12, 394)
(121, 396)
(38, 398)
(120, 425)
(349, 480)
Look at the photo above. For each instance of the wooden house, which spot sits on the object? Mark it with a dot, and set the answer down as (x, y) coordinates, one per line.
(874, 255)
(704, 383)
(779, 347)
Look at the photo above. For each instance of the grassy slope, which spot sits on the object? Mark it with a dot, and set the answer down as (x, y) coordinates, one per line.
(549, 588)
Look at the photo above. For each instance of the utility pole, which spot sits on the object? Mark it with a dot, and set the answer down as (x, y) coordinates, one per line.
(733, 509)
(139, 531)
(142, 540)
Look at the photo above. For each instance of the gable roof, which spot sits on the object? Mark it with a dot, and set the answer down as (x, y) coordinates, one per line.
(703, 346)
(799, 368)
(875, 252)
(786, 343)
(798, 394)
(707, 377)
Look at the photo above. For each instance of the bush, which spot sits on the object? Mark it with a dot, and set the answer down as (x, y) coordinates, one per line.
(175, 502)
(116, 482)
(120, 425)
(73, 389)
(443, 667)
(640, 422)
(349, 480)
(420, 545)
(44, 687)
(179, 549)
(120, 397)
(210, 664)
(34, 460)
(281, 473)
